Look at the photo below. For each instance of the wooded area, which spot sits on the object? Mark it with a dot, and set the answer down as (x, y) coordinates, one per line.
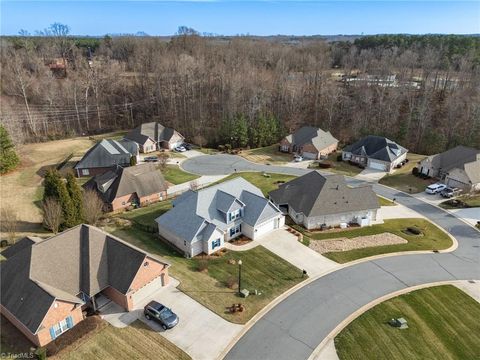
(242, 90)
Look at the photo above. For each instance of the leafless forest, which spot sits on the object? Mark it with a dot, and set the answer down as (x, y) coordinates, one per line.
(56, 86)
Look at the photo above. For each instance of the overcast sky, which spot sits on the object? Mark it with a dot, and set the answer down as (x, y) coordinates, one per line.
(242, 17)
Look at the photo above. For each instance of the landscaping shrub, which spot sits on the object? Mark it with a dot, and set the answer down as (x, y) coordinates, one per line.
(415, 171)
(339, 157)
(414, 230)
(325, 165)
(231, 282)
(3, 243)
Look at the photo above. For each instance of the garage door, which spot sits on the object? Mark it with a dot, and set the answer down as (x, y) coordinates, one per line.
(376, 165)
(264, 228)
(308, 155)
(143, 295)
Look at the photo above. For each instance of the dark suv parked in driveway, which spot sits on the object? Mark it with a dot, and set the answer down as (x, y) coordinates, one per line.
(160, 313)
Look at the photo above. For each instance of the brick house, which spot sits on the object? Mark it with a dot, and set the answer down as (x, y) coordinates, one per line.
(47, 284)
(310, 142)
(122, 187)
(154, 136)
(106, 155)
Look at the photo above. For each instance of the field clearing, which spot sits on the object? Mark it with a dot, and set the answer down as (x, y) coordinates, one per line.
(443, 324)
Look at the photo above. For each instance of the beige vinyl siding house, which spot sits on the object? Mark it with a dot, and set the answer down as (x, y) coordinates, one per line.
(309, 142)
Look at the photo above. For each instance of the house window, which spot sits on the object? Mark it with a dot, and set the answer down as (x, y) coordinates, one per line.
(60, 327)
(216, 243)
(234, 215)
(85, 172)
(184, 242)
(235, 230)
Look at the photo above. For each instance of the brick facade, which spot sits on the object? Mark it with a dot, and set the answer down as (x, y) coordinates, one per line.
(125, 201)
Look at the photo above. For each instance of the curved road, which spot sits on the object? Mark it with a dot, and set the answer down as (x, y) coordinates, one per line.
(298, 324)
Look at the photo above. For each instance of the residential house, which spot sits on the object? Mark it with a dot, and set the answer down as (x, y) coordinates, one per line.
(47, 284)
(154, 136)
(132, 186)
(106, 155)
(458, 167)
(201, 221)
(310, 142)
(375, 152)
(314, 200)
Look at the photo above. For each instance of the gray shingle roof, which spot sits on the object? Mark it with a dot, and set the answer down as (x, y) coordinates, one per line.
(108, 153)
(376, 147)
(311, 135)
(144, 179)
(194, 210)
(81, 259)
(153, 130)
(461, 157)
(314, 195)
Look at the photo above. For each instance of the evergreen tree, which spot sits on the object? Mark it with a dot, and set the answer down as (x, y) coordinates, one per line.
(76, 197)
(133, 160)
(240, 131)
(56, 188)
(8, 157)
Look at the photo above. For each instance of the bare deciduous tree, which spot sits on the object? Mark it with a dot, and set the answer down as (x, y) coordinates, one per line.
(92, 207)
(162, 160)
(9, 224)
(52, 214)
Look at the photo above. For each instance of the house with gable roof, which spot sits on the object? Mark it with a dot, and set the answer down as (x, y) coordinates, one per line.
(309, 142)
(154, 136)
(202, 221)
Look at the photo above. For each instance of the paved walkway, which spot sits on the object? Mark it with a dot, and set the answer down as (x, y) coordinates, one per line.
(397, 212)
(200, 332)
(287, 246)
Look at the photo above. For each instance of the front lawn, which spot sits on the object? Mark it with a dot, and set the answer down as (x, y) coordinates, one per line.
(402, 179)
(267, 155)
(147, 215)
(136, 341)
(470, 200)
(340, 167)
(264, 183)
(384, 201)
(174, 175)
(442, 324)
(432, 238)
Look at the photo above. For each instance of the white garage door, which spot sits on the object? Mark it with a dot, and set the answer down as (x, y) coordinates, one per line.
(143, 295)
(308, 155)
(264, 228)
(377, 165)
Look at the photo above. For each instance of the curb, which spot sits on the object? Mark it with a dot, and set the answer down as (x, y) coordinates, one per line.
(331, 336)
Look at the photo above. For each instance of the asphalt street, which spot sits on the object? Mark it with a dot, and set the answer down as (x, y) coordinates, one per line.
(298, 324)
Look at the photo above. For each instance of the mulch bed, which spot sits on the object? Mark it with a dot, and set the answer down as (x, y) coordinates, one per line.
(76, 336)
(241, 240)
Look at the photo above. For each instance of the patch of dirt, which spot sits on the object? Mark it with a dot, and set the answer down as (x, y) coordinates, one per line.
(346, 244)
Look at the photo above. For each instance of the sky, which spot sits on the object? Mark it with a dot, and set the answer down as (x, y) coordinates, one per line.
(228, 17)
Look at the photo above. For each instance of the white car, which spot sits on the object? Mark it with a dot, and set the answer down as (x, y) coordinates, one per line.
(435, 188)
(180, 149)
(297, 158)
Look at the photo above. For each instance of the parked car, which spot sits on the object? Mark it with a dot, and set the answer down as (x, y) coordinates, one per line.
(297, 158)
(187, 146)
(435, 188)
(160, 313)
(450, 192)
(180, 149)
(150, 159)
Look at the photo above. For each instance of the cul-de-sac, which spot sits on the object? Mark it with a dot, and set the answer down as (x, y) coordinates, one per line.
(190, 195)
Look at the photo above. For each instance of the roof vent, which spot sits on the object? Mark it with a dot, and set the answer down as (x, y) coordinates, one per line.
(337, 187)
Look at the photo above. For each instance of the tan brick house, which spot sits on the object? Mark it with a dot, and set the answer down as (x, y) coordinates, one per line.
(310, 142)
(122, 187)
(47, 284)
(154, 136)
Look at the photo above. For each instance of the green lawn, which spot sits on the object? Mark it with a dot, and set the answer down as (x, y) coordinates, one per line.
(402, 179)
(147, 215)
(433, 238)
(264, 183)
(208, 151)
(341, 167)
(136, 341)
(384, 201)
(472, 200)
(173, 174)
(267, 155)
(443, 324)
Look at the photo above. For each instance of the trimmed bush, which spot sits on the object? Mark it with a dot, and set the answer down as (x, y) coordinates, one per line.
(415, 171)
(414, 230)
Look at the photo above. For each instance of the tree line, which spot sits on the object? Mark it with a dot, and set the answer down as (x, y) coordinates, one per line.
(243, 91)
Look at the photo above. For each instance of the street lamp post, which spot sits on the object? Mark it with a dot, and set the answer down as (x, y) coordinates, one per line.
(239, 276)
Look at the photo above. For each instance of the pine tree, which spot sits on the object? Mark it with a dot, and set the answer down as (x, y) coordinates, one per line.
(8, 157)
(240, 131)
(76, 197)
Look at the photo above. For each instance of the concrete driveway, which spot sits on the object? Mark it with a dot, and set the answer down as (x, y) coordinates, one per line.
(370, 175)
(286, 245)
(200, 333)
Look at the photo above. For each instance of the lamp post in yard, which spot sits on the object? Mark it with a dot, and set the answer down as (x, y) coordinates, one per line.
(239, 276)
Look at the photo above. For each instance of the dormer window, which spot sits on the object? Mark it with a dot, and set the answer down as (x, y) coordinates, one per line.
(232, 216)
